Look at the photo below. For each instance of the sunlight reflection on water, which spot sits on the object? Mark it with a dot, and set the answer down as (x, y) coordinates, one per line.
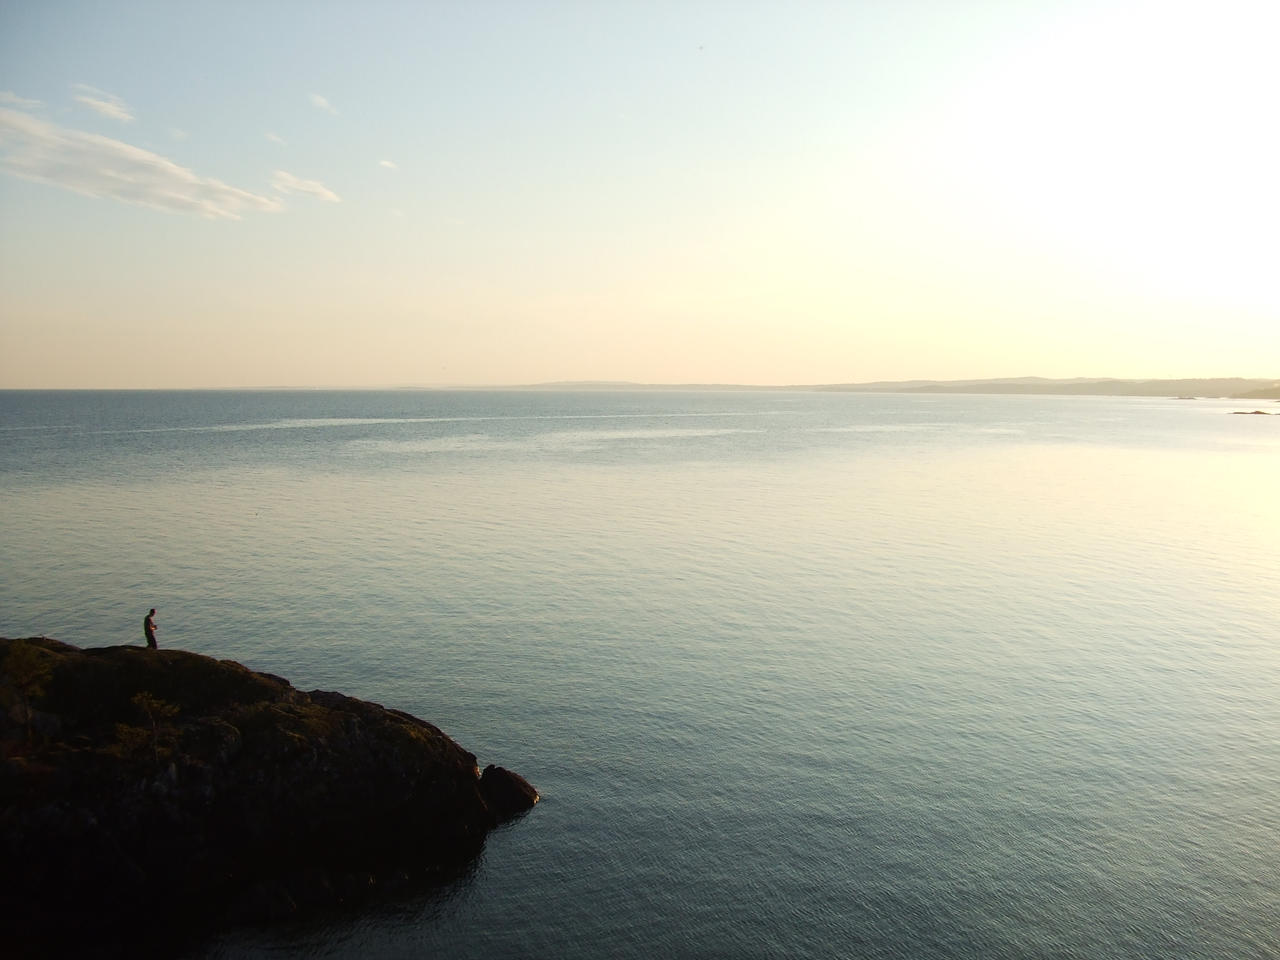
(830, 682)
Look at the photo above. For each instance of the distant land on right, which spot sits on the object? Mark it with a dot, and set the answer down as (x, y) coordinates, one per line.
(1238, 388)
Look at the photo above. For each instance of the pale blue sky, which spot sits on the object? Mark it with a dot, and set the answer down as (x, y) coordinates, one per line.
(290, 193)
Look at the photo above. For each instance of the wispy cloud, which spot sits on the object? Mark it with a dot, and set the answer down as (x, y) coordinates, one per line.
(322, 104)
(102, 167)
(285, 182)
(178, 133)
(389, 164)
(107, 104)
(11, 99)
(274, 137)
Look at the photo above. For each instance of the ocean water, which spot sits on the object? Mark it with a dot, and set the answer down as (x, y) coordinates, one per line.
(798, 674)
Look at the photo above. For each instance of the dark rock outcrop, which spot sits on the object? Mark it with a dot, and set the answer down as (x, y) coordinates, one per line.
(158, 788)
(507, 794)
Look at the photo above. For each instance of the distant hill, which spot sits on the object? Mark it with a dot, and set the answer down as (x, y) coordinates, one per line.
(1266, 393)
(607, 385)
(1211, 387)
(1234, 387)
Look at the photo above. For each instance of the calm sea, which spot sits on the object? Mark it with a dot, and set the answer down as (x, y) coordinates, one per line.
(799, 675)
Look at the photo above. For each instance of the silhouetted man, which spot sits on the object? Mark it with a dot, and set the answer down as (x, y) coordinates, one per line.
(149, 628)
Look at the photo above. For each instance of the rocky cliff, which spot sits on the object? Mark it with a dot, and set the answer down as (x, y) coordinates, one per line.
(145, 790)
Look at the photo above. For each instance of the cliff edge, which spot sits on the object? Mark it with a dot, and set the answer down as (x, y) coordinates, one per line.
(159, 788)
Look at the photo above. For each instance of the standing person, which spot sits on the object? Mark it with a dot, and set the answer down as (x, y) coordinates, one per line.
(149, 628)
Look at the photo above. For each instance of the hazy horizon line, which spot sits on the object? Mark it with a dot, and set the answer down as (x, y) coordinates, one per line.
(660, 385)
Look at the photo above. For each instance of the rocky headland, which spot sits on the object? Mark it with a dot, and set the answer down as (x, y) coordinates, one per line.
(146, 794)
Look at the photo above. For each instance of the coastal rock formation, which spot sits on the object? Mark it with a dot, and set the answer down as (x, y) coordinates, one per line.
(506, 793)
(142, 789)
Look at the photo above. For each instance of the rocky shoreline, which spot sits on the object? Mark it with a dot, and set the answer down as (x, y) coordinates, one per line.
(145, 790)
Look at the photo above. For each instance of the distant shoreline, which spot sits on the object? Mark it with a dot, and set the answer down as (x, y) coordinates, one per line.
(1219, 387)
(1233, 388)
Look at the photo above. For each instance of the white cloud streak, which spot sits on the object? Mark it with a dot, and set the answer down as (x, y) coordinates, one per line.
(99, 166)
(107, 104)
(274, 137)
(285, 182)
(9, 98)
(322, 104)
(389, 164)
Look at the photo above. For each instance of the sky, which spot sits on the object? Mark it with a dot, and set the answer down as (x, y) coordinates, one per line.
(377, 194)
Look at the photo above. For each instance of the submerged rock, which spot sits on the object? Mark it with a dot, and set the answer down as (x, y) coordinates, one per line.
(159, 787)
